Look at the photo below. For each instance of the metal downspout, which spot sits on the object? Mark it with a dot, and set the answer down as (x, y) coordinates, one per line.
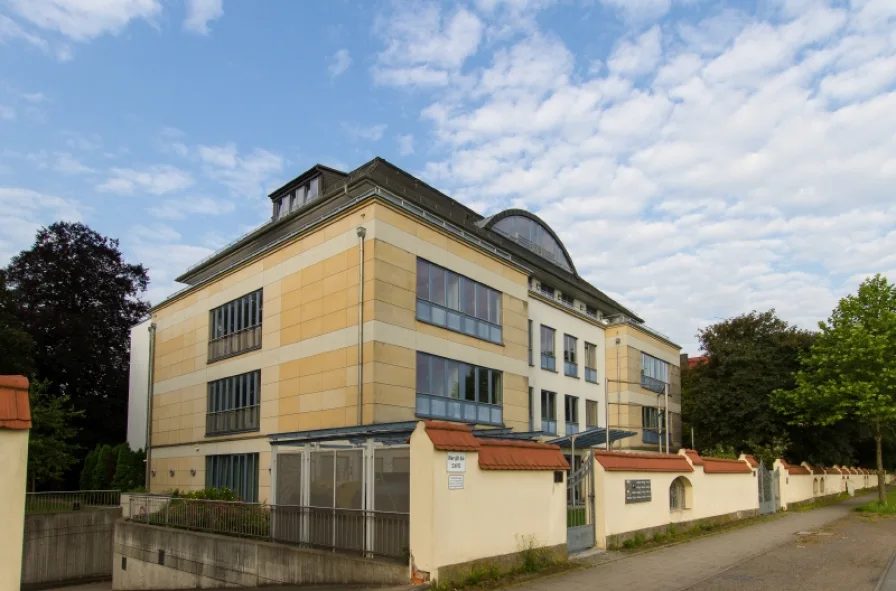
(149, 389)
(668, 426)
(362, 232)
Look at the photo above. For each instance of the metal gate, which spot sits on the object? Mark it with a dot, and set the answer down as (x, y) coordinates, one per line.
(769, 490)
(580, 506)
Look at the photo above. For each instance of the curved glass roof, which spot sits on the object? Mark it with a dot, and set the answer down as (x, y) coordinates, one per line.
(534, 236)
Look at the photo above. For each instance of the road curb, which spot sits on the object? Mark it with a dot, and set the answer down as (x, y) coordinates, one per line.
(887, 581)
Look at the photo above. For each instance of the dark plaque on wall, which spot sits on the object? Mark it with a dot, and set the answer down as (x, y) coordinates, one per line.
(637, 491)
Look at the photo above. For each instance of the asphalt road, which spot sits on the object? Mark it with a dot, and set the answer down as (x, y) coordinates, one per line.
(849, 554)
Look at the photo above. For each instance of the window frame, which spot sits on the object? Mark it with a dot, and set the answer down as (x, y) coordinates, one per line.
(548, 357)
(570, 356)
(571, 413)
(549, 414)
(655, 373)
(221, 470)
(589, 406)
(468, 410)
(236, 317)
(237, 396)
(590, 371)
(458, 312)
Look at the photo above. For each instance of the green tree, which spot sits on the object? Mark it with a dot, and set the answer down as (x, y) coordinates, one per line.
(86, 480)
(16, 345)
(728, 398)
(76, 297)
(848, 373)
(128, 468)
(51, 446)
(104, 469)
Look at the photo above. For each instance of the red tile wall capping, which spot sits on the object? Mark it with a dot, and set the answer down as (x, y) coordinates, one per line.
(694, 457)
(15, 412)
(718, 465)
(503, 454)
(792, 469)
(751, 460)
(496, 454)
(817, 469)
(447, 436)
(618, 461)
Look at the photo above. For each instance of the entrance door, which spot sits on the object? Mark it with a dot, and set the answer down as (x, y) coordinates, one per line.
(580, 507)
(769, 490)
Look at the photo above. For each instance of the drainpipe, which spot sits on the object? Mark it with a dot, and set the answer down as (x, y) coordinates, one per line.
(618, 383)
(149, 389)
(362, 231)
(668, 426)
(607, 411)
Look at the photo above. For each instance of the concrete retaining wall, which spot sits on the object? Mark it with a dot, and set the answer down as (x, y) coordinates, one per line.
(68, 547)
(151, 557)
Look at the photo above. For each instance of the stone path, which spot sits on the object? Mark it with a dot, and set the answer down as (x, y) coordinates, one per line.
(684, 565)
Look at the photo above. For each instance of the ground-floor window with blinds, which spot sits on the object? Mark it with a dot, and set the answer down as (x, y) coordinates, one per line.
(238, 472)
(233, 404)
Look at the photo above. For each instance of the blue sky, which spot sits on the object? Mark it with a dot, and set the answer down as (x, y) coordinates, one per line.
(699, 159)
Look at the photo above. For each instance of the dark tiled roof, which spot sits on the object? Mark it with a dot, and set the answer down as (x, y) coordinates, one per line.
(381, 173)
(15, 410)
(498, 454)
(617, 461)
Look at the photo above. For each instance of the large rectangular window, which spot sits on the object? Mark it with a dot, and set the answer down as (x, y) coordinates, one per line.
(654, 373)
(549, 412)
(238, 472)
(548, 359)
(591, 414)
(570, 357)
(457, 303)
(235, 327)
(457, 391)
(651, 424)
(571, 414)
(591, 362)
(233, 404)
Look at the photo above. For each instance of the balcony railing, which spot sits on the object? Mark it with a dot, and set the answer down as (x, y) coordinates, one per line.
(652, 436)
(453, 409)
(653, 384)
(590, 374)
(234, 344)
(572, 428)
(232, 421)
(571, 369)
(352, 530)
(75, 500)
(548, 362)
(549, 426)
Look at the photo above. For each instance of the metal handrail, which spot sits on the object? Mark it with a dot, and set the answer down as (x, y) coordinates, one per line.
(653, 384)
(307, 525)
(74, 500)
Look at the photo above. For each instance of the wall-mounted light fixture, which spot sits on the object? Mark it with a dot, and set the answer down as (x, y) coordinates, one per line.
(171, 472)
(153, 473)
(192, 471)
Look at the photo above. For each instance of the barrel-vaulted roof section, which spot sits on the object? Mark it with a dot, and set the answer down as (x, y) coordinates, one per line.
(531, 232)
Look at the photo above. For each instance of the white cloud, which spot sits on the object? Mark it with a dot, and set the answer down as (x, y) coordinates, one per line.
(640, 10)
(9, 30)
(157, 180)
(23, 211)
(423, 45)
(370, 133)
(191, 206)
(7, 113)
(339, 63)
(711, 168)
(246, 174)
(200, 13)
(405, 144)
(68, 164)
(82, 20)
(34, 97)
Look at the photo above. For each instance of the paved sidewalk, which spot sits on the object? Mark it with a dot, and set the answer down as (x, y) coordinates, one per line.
(681, 566)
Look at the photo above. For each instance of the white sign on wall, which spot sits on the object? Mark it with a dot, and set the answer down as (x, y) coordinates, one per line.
(457, 462)
(455, 482)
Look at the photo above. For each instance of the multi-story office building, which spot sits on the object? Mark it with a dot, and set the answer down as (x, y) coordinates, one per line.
(370, 301)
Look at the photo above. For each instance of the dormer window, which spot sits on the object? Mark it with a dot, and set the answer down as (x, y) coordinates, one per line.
(298, 197)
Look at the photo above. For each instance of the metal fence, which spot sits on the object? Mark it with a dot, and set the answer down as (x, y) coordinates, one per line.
(56, 501)
(359, 531)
